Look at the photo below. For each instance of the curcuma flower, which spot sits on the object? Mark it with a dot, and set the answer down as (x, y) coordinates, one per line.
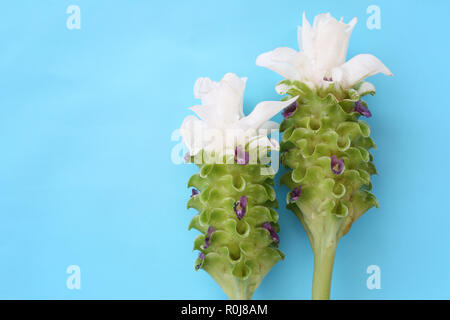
(296, 193)
(361, 109)
(194, 192)
(289, 110)
(240, 207)
(273, 234)
(321, 59)
(337, 165)
(235, 197)
(328, 194)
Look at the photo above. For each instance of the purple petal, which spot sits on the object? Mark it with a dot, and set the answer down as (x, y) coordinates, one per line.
(194, 192)
(208, 237)
(273, 234)
(243, 201)
(201, 256)
(240, 207)
(296, 193)
(362, 110)
(289, 110)
(241, 156)
(187, 157)
(337, 165)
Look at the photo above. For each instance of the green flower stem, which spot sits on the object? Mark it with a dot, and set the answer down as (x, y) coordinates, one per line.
(323, 270)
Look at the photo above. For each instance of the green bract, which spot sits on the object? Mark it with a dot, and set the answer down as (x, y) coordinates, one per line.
(325, 124)
(240, 252)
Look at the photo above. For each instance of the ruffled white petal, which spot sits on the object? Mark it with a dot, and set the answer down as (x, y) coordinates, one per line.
(203, 86)
(330, 42)
(207, 114)
(283, 61)
(190, 129)
(307, 38)
(359, 68)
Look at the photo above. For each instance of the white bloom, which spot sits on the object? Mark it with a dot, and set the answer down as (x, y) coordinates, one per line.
(321, 59)
(222, 125)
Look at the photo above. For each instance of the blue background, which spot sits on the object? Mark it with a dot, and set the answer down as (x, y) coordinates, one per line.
(86, 118)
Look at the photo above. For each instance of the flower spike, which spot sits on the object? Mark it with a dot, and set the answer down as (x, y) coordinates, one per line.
(333, 194)
(236, 197)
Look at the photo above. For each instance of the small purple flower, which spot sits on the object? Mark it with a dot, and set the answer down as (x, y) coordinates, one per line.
(362, 110)
(273, 234)
(201, 256)
(241, 156)
(330, 79)
(296, 193)
(208, 237)
(289, 110)
(337, 165)
(240, 207)
(187, 157)
(194, 192)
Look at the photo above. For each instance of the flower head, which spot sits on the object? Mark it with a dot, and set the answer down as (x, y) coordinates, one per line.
(321, 56)
(240, 207)
(337, 165)
(241, 156)
(362, 110)
(296, 193)
(273, 234)
(222, 124)
(289, 110)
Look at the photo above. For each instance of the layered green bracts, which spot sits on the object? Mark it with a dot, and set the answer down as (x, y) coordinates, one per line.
(239, 243)
(326, 147)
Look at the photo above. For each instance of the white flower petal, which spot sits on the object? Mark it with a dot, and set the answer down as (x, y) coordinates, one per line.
(359, 68)
(230, 99)
(207, 114)
(307, 43)
(263, 112)
(191, 129)
(222, 101)
(282, 60)
(203, 86)
(330, 42)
